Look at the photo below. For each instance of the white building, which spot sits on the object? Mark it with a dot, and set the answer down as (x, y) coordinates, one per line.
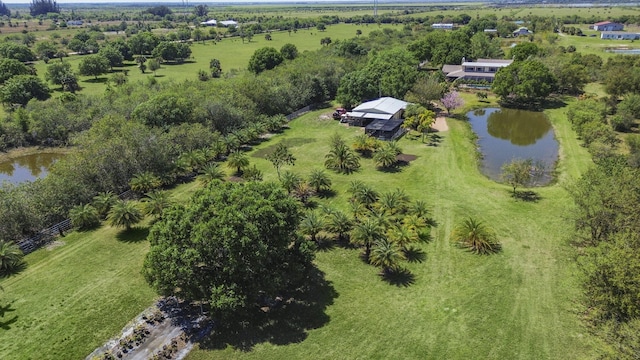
(619, 35)
(608, 26)
(523, 31)
(442, 26)
(480, 70)
(211, 22)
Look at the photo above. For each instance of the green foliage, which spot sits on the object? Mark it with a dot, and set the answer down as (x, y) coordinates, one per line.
(342, 159)
(46, 49)
(526, 82)
(290, 181)
(215, 68)
(265, 58)
(112, 54)
(485, 47)
(155, 203)
(365, 233)
(144, 182)
(385, 157)
(521, 172)
(163, 110)
(84, 217)
(11, 67)
(58, 72)
(143, 43)
(289, 51)
(238, 160)
(103, 202)
(252, 174)
(154, 65)
(4, 10)
(93, 65)
(311, 225)
(125, 214)
(43, 7)
(281, 156)
(476, 236)
(426, 90)
(171, 51)
(386, 255)
(10, 258)
(524, 51)
(319, 180)
(11, 50)
(211, 172)
(339, 223)
(20, 89)
(439, 47)
(242, 229)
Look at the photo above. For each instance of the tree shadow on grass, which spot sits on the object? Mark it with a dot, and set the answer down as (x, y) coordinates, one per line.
(289, 323)
(14, 270)
(101, 80)
(434, 140)
(133, 235)
(5, 324)
(324, 243)
(399, 277)
(415, 255)
(526, 195)
(327, 193)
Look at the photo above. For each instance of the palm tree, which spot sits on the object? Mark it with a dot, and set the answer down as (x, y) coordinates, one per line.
(366, 196)
(403, 236)
(145, 182)
(420, 209)
(303, 191)
(358, 210)
(339, 223)
(385, 254)
(10, 258)
(84, 217)
(193, 160)
(238, 160)
(476, 236)
(385, 157)
(156, 203)
(393, 145)
(311, 225)
(342, 159)
(290, 180)
(211, 172)
(252, 174)
(319, 180)
(124, 213)
(103, 202)
(365, 234)
(365, 144)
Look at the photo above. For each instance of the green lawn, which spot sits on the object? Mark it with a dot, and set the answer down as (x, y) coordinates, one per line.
(233, 54)
(520, 304)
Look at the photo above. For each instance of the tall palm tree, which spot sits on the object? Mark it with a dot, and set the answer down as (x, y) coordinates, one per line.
(476, 236)
(342, 159)
(125, 214)
(339, 223)
(193, 160)
(319, 180)
(367, 196)
(311, 225)
(156, 203)
(210, 172)
(365, 234)
(84, 217)
(358, 210)
(10, 257)
(103, 202)
(303, 192)
(420, 209)
(145, 182)
(238, 160)
(386, 254)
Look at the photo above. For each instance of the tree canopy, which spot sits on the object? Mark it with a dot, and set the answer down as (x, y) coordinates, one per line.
(22, 88)
(231, 245)
(523, 82)
(265, 58)
(43, 7)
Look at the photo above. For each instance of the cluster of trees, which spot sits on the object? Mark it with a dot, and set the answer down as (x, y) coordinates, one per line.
(43, 7)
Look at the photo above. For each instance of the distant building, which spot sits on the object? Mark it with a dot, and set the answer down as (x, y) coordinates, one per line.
(211, 22)
(522, 31)
(480, 70)
(619, 35)
(442, 26)
(608, 26)
(227, 23)
(75, 23)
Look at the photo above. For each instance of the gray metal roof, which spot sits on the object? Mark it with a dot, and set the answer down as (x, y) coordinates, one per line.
(384, 105)
(384, 125)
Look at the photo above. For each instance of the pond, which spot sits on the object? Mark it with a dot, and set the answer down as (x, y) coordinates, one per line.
(27, 167)
(508, 134)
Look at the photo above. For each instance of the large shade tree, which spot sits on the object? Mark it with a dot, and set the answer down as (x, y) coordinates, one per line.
(523, 83)
(231, 245)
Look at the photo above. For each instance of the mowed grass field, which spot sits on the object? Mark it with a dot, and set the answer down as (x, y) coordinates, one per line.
(523, 303)
(233, 54)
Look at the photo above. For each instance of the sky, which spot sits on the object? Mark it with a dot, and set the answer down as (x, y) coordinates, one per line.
(62, 2)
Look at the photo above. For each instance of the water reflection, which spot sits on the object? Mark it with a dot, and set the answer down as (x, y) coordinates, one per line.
(27, 167)
(508, 134)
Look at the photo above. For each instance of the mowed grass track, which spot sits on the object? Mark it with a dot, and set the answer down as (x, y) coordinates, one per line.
(519, 304)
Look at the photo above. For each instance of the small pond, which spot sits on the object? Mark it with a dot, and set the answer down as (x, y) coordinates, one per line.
(27, 167)
(507, 134)
(625, 51)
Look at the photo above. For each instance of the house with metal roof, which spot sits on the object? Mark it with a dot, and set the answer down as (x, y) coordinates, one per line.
(384, 108)
(211, 22)
(385, 129)
(523, 31)
(480, 70)
(619, 35)
(608, 26)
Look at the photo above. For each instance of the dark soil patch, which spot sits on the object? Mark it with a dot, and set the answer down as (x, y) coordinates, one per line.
(407, 158)
(236, 179)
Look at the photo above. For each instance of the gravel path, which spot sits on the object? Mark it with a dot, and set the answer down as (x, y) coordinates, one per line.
(440, 124)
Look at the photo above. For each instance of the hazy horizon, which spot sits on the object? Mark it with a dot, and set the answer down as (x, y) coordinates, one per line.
(62, 2)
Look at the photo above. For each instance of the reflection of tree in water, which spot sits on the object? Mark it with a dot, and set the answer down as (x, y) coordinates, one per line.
(36, 163)
(479, 112)
(7, 168)
(519, 127)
